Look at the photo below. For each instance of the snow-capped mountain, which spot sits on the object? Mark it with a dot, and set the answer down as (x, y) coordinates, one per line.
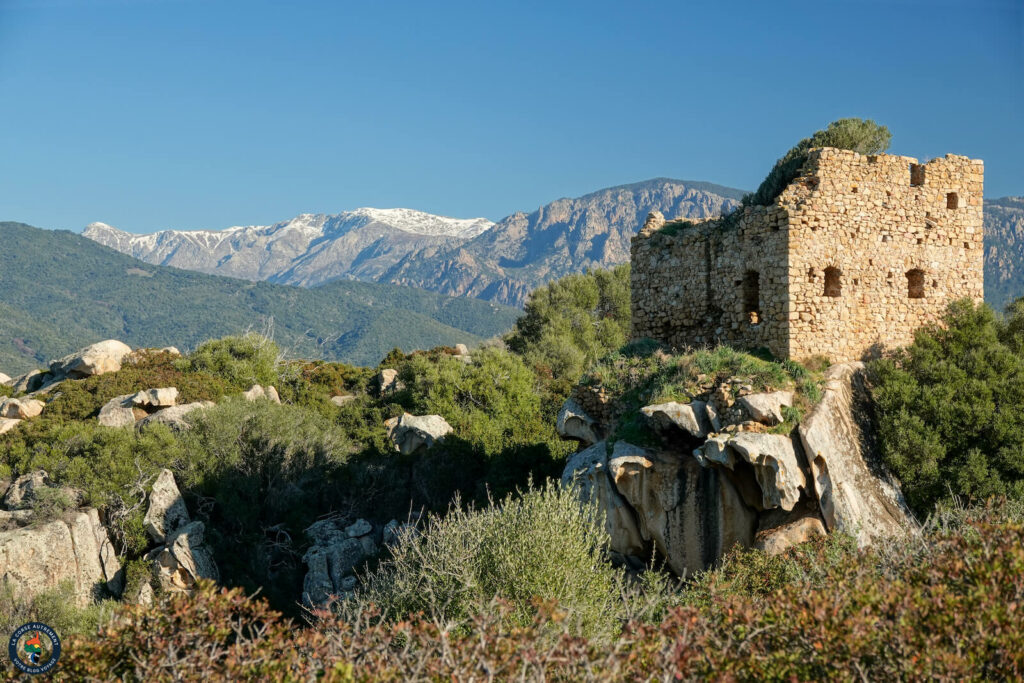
(307, 250)
(500, 262)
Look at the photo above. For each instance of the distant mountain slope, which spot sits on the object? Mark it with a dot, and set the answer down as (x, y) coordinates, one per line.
(307, 250)
(566, 236)
(1004, 250)
(60, 291)
(476, 258)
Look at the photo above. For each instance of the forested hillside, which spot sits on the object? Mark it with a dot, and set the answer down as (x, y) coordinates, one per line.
(60, 291)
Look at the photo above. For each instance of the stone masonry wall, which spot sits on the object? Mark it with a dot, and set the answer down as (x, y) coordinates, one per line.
(876, 220)
(853, 256)
(705, 285)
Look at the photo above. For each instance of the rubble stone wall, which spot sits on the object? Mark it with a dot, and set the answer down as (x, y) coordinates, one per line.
(853, 256)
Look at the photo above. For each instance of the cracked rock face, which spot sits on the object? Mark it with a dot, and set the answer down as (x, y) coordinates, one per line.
(746, 486)
(856, 493)
(167, 511)
(73, 550)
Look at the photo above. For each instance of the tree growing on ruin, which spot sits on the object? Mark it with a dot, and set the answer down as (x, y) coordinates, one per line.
(863, 136)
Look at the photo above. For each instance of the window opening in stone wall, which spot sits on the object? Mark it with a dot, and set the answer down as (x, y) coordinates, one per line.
(833, 287)
(917, 174)
(752, 296)
(915, 283)
(952, 200)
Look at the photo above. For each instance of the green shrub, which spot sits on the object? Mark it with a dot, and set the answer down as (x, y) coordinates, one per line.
(240, 361)
(109, 465)
(543, 544)
(82, 399)
(571, 322)
(56, 607)
(269, 471)
(503, 431)
(948, 406)
(859, 135)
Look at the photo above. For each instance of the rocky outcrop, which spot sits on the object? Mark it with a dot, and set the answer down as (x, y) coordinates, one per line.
(20, 409)
(5, 379)
(7, 424)
(41, 556)
(741, 483)
(167, 511)
(856, 493)
(257, 392)
(693, 514)
(97, 359)
(588, 472)
(697, 418)
(336, 551)
(410, 433)
(767, 408)
(183, 558)
(574, 423)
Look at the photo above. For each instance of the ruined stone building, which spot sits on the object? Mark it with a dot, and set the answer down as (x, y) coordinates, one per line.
(854, 255)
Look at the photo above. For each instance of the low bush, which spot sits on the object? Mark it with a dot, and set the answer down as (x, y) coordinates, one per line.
(859, 135)
(948, 407)
(540, 544)
(241, 361)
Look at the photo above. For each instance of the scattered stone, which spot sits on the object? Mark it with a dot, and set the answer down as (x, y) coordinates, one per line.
(412, 432)
(342, 399)
(461, 350)
(394, 531)
(184, 559)
(117, 412)
(22, 491)
(360, 528)
(167, 511)
(156, 398)
(387, 382)
(97, 359)
(20, 408)
(767, 408)
(574, 423)
(7, 424)
(797, 527)
(257, 392)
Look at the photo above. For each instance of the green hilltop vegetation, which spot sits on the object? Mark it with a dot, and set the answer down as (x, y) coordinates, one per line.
(62, 291)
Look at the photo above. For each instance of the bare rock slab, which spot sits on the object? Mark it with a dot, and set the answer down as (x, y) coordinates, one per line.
(856, 493)
(588, 472)
(767, 408)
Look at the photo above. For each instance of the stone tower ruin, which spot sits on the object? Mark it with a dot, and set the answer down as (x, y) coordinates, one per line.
(852, 257)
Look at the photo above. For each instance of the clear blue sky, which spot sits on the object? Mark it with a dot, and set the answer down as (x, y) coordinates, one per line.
(152, 114)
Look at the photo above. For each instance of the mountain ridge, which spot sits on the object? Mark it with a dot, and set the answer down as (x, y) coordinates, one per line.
(499, 262)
